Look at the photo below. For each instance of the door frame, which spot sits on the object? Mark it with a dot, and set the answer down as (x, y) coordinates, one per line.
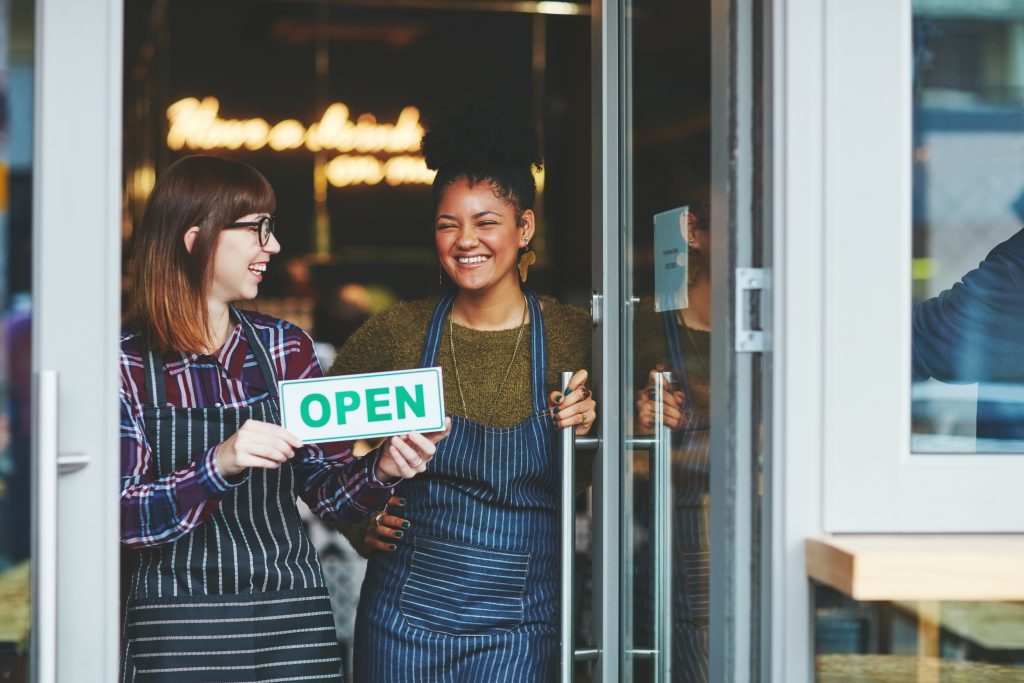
(76, 307)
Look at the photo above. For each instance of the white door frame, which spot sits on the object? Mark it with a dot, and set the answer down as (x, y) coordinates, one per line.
(76, 313)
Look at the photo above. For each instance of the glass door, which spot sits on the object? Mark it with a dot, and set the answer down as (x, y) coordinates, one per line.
(684, 265)
(667, 338)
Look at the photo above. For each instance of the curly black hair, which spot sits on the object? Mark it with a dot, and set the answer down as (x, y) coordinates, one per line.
(482, 142)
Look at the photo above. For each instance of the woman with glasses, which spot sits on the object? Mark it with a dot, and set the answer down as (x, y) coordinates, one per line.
(223, 584)
(466, 586)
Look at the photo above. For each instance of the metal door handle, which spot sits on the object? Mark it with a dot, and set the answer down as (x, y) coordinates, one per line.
(44, 529)
(662, 523)
(660, 448)
(568, 444)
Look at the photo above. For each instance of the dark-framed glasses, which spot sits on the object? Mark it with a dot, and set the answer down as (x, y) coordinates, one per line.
(262, 226)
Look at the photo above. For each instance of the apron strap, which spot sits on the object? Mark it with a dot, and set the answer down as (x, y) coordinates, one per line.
(538, 347)
(156, 385)
(259, 351)
(434, 330)
(538, 352)
(676, 353)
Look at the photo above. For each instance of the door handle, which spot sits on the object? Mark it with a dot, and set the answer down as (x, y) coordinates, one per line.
(567, 445)
(660, 448)
(47, 465)
(662, 523)
(44, 528)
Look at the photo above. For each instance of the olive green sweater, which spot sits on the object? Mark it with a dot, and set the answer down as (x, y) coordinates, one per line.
(393, 340)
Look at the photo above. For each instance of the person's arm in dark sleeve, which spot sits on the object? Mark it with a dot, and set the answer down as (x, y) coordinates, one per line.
(974, 331)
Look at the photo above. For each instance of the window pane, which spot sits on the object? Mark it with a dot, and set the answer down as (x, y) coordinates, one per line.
(16, 83)
(968, 206)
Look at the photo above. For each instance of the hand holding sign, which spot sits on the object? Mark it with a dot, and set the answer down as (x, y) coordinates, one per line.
(407, 455)
(255, 444)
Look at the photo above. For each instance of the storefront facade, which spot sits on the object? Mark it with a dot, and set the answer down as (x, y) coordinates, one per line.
(810, 113)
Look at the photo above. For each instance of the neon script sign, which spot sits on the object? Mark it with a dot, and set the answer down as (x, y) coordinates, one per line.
(371, 152)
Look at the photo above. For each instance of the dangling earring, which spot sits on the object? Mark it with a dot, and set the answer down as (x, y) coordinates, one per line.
(527, 259)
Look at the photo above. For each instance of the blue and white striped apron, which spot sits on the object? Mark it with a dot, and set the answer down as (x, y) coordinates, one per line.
(690, 480)
(241, 597)
(473, 592)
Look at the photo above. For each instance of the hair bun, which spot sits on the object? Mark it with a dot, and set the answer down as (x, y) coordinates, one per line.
(475, 138)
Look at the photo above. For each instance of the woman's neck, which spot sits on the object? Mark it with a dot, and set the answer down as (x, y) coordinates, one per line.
(220, 324)
(498, 309)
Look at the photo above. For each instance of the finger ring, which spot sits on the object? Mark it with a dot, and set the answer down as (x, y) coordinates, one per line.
(583, 418)
(378, 518)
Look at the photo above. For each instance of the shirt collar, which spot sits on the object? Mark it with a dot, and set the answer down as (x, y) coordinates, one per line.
(231, 356)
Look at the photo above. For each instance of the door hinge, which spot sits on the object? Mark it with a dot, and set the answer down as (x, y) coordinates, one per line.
(751, 283)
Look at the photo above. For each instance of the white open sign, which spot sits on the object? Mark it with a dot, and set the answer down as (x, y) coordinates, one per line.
(349, 407)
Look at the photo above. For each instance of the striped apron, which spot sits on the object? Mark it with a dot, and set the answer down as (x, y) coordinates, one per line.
(242, 597)
(473, 593)
(690, 534)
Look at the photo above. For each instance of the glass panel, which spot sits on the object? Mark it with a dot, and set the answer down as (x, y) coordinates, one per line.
(915, 641)
(968, 204)
(667, 327)
(16, 82)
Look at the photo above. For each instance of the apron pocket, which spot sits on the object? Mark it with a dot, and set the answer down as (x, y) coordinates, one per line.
(464, 590)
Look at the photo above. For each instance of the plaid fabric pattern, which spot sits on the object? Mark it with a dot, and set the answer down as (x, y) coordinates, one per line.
(157, 510)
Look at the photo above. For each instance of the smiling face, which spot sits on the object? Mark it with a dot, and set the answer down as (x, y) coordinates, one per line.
(478, 238)
(239, 262)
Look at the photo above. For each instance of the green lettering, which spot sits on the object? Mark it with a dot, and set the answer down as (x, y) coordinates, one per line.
(375, 403)
(325, 410)
(347, 401)
(403, 399)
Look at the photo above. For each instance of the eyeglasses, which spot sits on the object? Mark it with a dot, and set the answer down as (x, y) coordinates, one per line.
(263, 226)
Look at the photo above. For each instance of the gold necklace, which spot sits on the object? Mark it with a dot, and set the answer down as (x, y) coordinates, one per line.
(508, 371)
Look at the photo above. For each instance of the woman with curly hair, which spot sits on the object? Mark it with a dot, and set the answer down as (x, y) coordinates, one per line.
(465, 585)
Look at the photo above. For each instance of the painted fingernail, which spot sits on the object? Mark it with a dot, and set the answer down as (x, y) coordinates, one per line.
(556, 411)
(568, 390)
(405, 525)
(392, 546)
(402, 501)
(558, 399)
(399, 534)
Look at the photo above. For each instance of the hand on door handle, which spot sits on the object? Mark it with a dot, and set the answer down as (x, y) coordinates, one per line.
(575, 406)
(673, 400)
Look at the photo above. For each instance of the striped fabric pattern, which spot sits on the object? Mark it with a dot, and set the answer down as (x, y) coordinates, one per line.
(472, 595)
(240, 597)
(691, 471)
(289, 638)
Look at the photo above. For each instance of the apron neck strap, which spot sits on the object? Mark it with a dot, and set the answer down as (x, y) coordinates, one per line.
(538, 349)
(259, 351)
(156, 382)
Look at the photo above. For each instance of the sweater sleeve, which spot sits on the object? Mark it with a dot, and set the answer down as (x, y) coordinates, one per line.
(974, 331)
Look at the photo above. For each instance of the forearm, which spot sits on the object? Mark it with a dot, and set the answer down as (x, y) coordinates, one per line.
(163, 510)
(342, 488)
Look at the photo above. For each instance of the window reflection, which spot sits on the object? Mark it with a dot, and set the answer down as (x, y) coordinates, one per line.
(968, 205)
(16, 82)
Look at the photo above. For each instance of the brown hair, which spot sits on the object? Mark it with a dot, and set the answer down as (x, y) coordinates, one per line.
(167, 302)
